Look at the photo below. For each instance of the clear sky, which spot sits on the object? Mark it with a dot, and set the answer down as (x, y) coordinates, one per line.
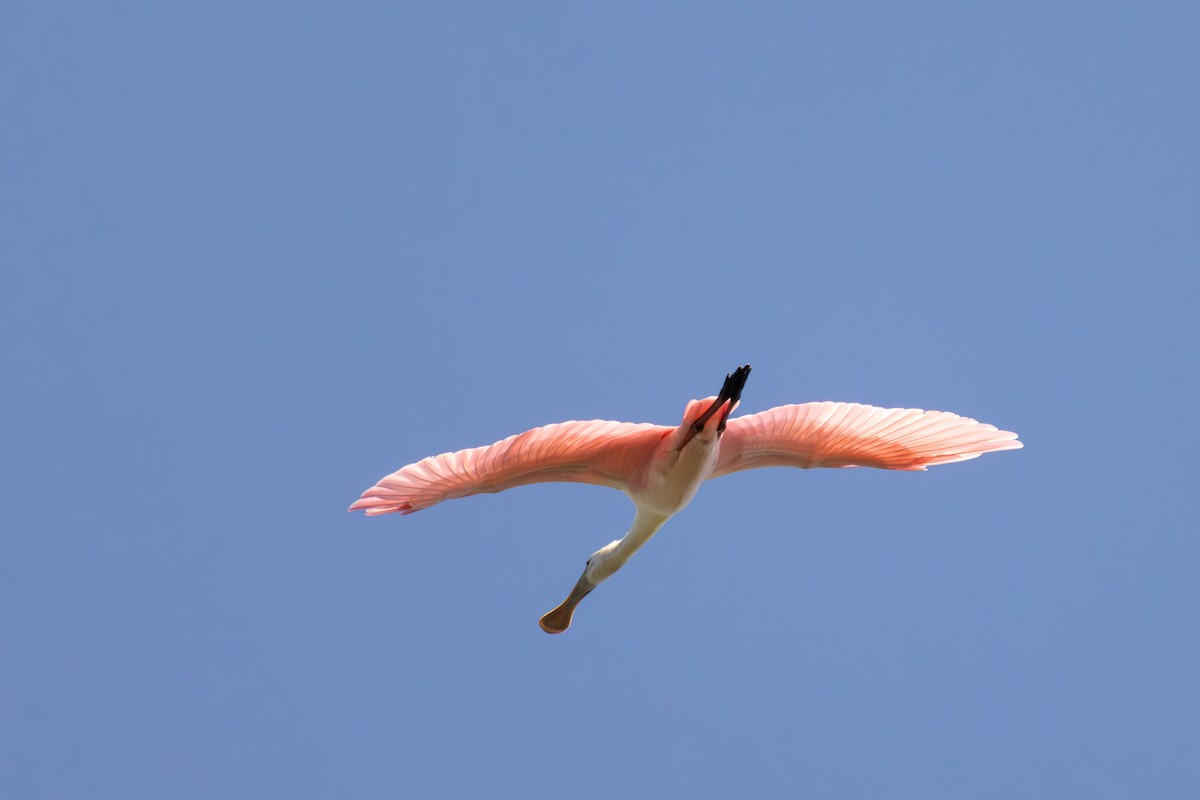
(255, 256)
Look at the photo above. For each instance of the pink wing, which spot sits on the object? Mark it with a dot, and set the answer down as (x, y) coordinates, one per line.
(599, 452)
(854, 435)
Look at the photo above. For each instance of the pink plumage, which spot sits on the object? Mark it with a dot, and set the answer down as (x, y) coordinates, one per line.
(597, 451)
(661, 467)
(855, 435)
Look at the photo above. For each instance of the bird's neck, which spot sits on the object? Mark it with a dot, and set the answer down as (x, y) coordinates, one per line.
(645, 525)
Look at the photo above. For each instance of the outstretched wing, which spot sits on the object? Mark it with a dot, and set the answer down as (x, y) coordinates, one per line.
(597, 451)
(854, 435)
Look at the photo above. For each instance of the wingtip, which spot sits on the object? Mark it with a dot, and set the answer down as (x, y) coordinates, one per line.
(374, 506)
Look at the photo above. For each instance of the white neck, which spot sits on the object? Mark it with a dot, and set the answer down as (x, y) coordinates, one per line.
(645, 524)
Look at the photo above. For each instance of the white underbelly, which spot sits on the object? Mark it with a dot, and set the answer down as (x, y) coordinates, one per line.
(668, 490)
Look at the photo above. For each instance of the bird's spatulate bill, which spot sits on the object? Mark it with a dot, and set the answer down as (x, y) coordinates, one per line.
(559, 619)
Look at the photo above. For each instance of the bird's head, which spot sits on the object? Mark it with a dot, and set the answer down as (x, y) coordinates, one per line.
(601, 565)
(704, 420)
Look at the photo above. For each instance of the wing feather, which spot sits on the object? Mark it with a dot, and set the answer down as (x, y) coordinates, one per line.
(855, 435)
(596, 451)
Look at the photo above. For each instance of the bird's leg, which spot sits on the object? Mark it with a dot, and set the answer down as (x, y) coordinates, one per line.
(559, 619)
(733, 386)
(731, 390)
(736, 382)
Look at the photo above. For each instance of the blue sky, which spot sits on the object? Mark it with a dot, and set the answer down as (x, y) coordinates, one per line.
(258, 256)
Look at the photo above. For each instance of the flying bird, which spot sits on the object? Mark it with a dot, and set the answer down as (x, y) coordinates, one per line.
(660, 467)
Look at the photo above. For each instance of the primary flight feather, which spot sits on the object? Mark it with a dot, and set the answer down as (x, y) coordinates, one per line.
(660, 467)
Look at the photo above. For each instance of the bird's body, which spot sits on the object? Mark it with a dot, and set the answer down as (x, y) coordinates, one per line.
(660, 468)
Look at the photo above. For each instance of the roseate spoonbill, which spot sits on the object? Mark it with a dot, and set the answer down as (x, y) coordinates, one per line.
(660, 467)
